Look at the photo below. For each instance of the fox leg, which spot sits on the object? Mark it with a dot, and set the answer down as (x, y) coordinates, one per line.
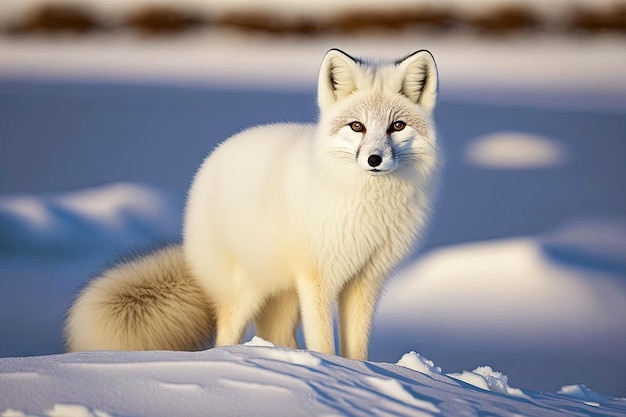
(235, 309)
(232, 321)
(278, 319)
(316, 304)
(357, 302)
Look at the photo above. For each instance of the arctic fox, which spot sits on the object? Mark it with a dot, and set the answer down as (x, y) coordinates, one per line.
(284, 220)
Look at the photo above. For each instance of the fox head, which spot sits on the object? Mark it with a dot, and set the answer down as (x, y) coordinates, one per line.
(378, 117)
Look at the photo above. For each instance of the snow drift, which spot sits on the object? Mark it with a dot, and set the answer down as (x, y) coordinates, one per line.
(117, 216)
(262, 380)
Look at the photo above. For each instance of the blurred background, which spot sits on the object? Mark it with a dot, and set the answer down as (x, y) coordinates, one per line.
(108, 107)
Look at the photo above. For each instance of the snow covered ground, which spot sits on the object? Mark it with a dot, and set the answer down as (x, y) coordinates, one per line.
(523, 270)
(261, 380)
(586, 73)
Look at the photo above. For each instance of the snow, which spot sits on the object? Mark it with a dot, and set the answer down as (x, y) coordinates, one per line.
(245, 380)
(587, 73)
(493, 283)
(258, 341)
(515, 150)
(293, 356)
(482, 377)
(486, 378)
(121, 215)
(469, 68)
(416, 362)
(600, 243)
(393, 389)
(583, 393)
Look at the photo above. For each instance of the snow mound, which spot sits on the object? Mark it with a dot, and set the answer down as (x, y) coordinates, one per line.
(60, 410)
(297, 357)
(119, 215)
(259, 342)
(593, 243)
(414, 361)
(246, 380)
(515, 150)
(487, 379)
(485, 288)
(581, 392)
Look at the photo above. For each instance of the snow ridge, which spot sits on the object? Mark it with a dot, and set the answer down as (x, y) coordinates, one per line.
(119, 215)
(263, 380)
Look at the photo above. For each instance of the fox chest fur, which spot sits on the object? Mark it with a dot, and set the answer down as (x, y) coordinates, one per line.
(366, 229)
(271, 203)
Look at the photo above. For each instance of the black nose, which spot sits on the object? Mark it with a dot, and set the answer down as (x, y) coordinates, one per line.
(374, 160)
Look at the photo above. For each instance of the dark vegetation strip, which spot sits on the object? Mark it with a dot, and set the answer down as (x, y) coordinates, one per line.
(154, 20)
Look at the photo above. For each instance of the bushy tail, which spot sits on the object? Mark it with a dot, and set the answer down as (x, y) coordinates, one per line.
(150, 303)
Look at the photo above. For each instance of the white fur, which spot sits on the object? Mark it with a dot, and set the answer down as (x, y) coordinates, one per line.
(284, 220)
(296, 209)
(150, 303)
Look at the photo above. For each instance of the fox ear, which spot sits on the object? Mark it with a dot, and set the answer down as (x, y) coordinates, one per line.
(419, 82)
(337, 77)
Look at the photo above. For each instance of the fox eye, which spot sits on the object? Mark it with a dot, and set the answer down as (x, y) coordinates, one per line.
(357, 126)
(398, 126)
